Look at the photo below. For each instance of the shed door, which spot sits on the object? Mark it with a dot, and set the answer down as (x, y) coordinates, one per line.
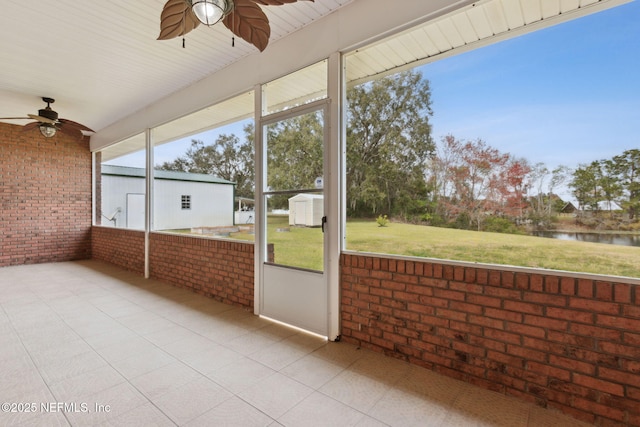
(135, 211)
(300, 215)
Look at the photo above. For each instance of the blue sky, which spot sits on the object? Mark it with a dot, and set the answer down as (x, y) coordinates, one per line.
(568, 94)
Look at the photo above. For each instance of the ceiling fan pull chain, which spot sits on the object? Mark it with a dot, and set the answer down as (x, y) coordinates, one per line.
(184, 23)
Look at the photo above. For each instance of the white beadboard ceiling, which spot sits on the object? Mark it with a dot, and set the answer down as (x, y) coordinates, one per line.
(101, 62)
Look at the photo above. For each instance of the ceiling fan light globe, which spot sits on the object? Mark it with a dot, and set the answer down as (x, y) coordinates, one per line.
(209, 12)
(47, 130)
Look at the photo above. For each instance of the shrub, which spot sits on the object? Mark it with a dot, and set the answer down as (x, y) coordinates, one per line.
(382, 220)
(500, 225)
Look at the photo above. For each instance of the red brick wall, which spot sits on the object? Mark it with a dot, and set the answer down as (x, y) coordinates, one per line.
(565, 342)
(220, 269)
(124, 248)
(45, 197)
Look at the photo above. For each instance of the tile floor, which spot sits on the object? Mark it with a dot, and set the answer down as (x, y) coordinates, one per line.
(85, 343)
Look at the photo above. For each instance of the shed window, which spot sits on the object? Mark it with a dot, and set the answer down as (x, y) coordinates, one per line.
(185, 201)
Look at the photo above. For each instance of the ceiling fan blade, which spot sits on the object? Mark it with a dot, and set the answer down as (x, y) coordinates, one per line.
(70, 123)
(250, 23)
(72, 131)
(30, 126)
(176, 19)
(42, 119)
(15, 118)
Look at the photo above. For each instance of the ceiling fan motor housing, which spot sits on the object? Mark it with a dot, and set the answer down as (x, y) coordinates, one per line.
(48, 112)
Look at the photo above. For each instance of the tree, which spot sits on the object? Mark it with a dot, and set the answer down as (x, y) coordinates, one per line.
(543, 184)
(512, 186)
(388, 145)
(627, 168)
(227, 158)
(295, 150)
(476, 180)
(609, 181)
(585, 184)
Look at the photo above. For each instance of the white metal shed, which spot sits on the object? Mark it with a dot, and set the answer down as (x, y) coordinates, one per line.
(306, 209)
(182, 200)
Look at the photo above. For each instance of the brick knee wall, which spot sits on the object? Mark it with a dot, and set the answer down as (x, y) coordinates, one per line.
(564, 342)
(45, 197)
(117, 246)
(219, 269)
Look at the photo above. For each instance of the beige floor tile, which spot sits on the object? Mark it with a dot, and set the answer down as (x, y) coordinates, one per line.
(191, 343)
(318, 410)
(107, 405)
(368, 421)
(210, 360)
(339, 353)
(16, 385)
(30, 410)
(540, 417)
(17, 365)
(183, 404)
(59, 370)
(233, 412)
(145, 322)
(256, 324)
(58, 353)
(275, 395)
(406, 409)
(91, 322)
(43, 419)
(274, 331)
(240, 375)
(283, 353)
(222, 332)
(250, 343)
(492, 408)
(168, 335)
(86, 384)
(43, 339)
(145, 415)
(164, 379)
(11, 349)
(125, 348)
(436, 388)
(356, 390)
(312, 371)
(142, 362)
(160, 355)
(381, 368)
(105, 337)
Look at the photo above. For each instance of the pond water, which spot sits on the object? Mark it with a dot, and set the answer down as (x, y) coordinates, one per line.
(611, 239)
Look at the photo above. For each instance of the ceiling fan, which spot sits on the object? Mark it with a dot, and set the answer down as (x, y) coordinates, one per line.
(48, 122)
(244, 18)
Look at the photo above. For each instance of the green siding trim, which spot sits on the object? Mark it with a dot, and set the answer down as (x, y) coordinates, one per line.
(162, 174)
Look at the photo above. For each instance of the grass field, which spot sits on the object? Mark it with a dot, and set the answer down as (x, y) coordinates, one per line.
(301, 247)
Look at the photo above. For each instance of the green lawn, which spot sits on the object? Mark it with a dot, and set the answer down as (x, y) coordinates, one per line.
(301, 247)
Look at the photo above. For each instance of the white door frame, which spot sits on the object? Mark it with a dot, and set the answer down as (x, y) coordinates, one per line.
(333, 194)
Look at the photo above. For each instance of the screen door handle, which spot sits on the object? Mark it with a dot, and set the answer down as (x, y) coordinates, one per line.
(324, 221)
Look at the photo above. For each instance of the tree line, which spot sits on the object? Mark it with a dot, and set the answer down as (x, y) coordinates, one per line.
(608, 181)
(394, 167)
